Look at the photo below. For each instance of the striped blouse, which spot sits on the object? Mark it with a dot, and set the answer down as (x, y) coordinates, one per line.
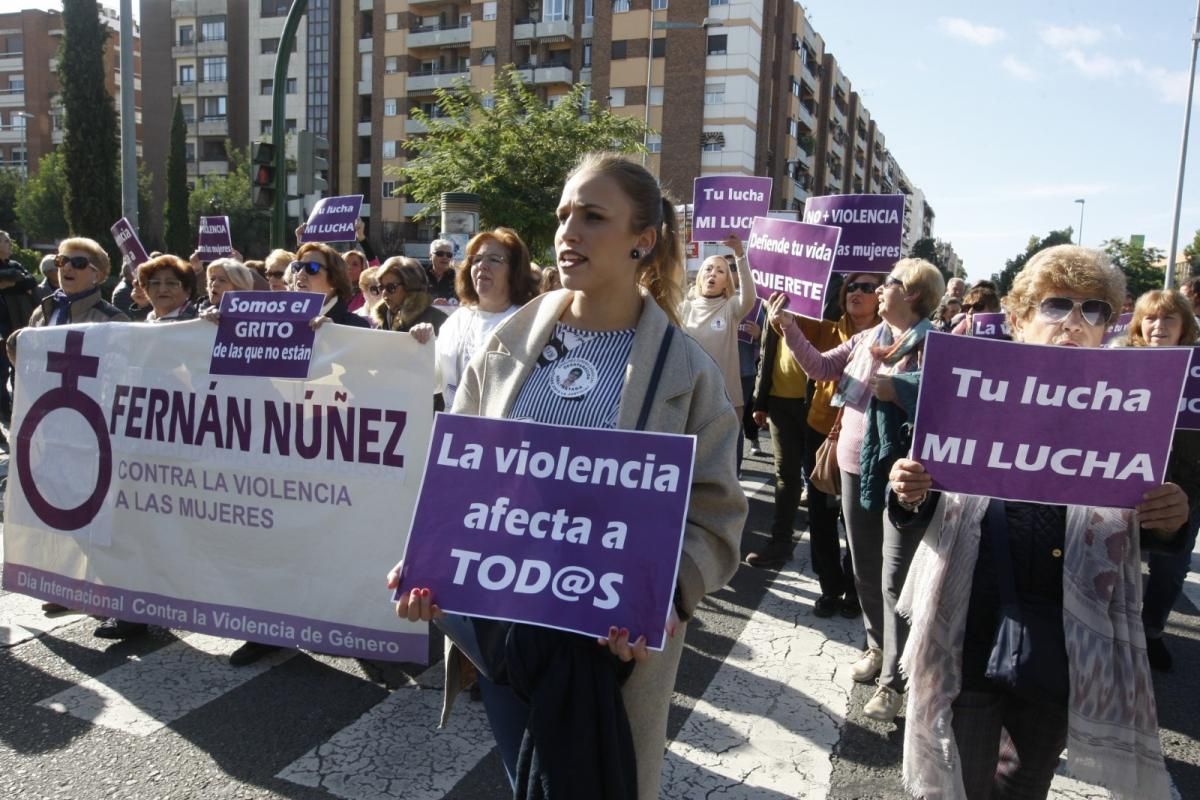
(577, 380)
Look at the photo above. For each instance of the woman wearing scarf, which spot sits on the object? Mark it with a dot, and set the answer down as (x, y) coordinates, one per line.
(406, 298)
(967, 735)
(877, 372)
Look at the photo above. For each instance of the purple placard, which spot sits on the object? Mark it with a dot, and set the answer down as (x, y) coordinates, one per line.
(333, 218)
(872, 228)
(571, 528)
(794, 258)
(990, 325)
(265, 334)
(267, 627)
(1047, 424)
(1118, 328)
(129, 243)
(1189, 404)
(725, 204)
(743, 331)
(214, 240)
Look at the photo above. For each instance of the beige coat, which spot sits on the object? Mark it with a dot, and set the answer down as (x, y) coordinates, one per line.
(92, 308)
(690, 399)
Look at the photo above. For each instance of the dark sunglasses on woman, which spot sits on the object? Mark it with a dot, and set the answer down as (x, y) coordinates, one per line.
(75, 262)
(866, 287)
(311, 267)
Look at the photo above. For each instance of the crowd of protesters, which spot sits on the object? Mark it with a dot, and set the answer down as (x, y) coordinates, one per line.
(838, 398)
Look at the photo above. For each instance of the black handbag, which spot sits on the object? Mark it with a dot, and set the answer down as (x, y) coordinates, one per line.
(485, 641)
(1029, 652)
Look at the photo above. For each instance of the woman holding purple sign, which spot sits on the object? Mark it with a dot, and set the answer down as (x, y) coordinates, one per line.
(1164, 318)
(319, 268)
(995, 694)
(878, 373)
(606, 351)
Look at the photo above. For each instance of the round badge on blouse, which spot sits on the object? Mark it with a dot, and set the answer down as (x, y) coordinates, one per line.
(573, 377)
(718, 324)
(549, 353)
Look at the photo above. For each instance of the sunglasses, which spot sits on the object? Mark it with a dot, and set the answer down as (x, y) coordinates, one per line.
(975, 308)
(389, 288)
(74, 262)
(311, 267)
(890, 281)
(1056, 309)
(373, 288)
(866, 287)
(276, 275)
(443, 254)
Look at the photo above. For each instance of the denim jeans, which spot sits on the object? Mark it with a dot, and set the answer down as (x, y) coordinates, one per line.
(1168, 571)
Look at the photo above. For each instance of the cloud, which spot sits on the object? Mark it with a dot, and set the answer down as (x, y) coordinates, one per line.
(958, 28)
(1018, 69)
(1170, 86)
(1077, 36)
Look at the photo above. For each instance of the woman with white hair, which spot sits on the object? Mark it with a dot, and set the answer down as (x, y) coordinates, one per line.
(226, 274)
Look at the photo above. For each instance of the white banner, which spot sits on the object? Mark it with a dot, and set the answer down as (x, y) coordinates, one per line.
(264, 509)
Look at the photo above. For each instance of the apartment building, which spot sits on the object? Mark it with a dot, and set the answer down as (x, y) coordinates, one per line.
(31, 118)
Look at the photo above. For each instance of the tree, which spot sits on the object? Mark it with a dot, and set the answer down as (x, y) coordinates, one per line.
(177, 222)
(90, 146)
(1192, 254)
(40, 203)
(1138, 265)
(927, 249)
(10, 190)
(229, 195)
(514, 153)
(1004, 278)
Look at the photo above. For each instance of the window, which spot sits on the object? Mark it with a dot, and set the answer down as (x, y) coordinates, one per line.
(714, 94)
(589, 10)
(264, 127)
(489, 101)
(290, 87)
(275, 8)
(213, 69)
(16, 84)
(793, 128)
(717, 42)
(213, 150)
(658, 48)
(389, 149)
(269, 46)
(616, 98)
(718, 2)
(189, 152)
(654, 143)
(489, 10)
(619, 48)
(488, 57)
(389, 107)
(187, 73)
(187, 34)
(289, 125)
(266, 86)
(212, 29)
(189, 113)
(388, 188)
(620, 6)
(712, 142)
(587, 52)
(212, 108)
(391, 22)
(656, 95)
(554, 10)
(364, 67)
(391, 65)
(18, 122)
(658, 5)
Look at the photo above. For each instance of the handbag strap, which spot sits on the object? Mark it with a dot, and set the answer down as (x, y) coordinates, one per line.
(836, 430)
(659, 363)
(997, 523)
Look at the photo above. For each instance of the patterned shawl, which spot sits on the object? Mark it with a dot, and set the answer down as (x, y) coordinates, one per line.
(1112, 737)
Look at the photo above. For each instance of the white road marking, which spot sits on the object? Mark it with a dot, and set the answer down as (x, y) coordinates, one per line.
(22, 619)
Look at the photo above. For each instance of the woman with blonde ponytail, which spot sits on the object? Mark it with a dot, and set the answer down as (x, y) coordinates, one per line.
(606, 351)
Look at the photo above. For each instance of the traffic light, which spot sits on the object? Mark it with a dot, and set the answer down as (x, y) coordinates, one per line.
(312, 163)
(262, 188)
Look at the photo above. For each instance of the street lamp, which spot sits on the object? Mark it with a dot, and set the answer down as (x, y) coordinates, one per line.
(1169, 280)
(707, 22)
(25, 116)
(1082, 203)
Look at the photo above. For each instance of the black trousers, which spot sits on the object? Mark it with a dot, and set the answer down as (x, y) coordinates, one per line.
(833, 570)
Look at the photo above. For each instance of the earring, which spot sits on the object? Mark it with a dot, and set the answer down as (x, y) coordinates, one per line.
(636, 254)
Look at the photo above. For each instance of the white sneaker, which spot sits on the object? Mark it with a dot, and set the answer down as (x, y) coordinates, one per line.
(884, 705)
(867, 668)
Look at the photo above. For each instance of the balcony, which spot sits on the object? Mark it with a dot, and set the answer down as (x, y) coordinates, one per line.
(362, 170)
(558, 30)
(209, 126)
(214, 167)
(807, 115)
(366, 45)
(11, 134)
(424, 83)
(415, 3)
(415, 126)
(212, 47)
(198, 8)
(364, 128)
(11, 62)
(543, 74)
(364, 87)
(12, 98)
(437, 36)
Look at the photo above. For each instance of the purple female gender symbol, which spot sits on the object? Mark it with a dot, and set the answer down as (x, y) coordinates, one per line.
(72, 364)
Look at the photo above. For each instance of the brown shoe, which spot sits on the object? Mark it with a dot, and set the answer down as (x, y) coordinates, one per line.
(54, 608)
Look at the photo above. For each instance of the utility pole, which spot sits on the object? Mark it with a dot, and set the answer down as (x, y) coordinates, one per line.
(129, 182)
(278, 121)
(1169, 272)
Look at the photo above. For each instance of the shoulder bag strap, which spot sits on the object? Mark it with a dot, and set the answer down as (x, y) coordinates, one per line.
(659, 363)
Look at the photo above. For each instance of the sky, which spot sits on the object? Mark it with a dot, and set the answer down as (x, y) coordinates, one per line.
(1005, 113)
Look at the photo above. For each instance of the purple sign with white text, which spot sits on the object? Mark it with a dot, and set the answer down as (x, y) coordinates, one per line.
(872, 228)
(794, 258)
(333, 218)
(214, 240)
(1189, 404)
(725, 204)
(990, 325)
(577, 529)
(1047, 424)
(265, 334)
(129, 243)
(1119, 328)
